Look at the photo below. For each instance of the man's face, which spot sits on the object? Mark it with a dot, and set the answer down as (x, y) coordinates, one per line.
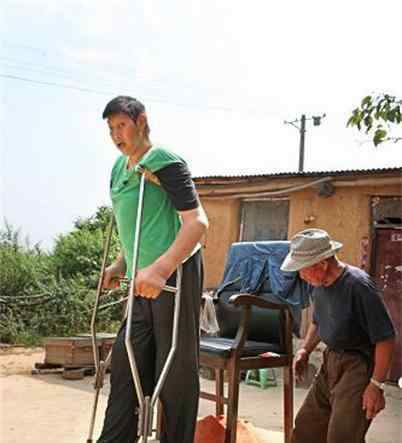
(124, 132)
(315, 275)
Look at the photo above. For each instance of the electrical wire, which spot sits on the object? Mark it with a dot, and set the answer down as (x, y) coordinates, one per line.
(149, 90)
(59, 85)
(104, 92)
(17, 64)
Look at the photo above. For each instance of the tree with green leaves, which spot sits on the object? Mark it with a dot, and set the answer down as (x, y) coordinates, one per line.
(377, 115)
(44, 294)
(80, 251)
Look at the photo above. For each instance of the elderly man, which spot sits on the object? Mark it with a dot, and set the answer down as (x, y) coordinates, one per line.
(351, 319)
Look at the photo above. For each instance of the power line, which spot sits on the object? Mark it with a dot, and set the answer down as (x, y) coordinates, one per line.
(39, 82)
(64, 75)
(96, 91)
(33, 66)
(26, 67)
(99, 67)
(153, 86)
(42, 51)
(103, 92)
(18, 65)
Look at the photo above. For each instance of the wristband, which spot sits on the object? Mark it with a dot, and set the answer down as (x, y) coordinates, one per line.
(303, 350)
(377, 383)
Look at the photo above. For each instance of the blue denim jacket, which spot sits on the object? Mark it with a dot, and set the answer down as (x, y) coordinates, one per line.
(254, 267)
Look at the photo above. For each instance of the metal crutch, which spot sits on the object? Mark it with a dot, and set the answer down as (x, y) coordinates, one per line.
(146, 404)
(100, 365)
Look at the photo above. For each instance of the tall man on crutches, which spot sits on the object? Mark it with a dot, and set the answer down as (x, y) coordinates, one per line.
(173, 223)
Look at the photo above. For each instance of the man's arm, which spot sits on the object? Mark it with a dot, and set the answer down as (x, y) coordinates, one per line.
(151, 280)
(383, 358)
(194, 227)
(312, 338)
(176, 181)
(302, 355)
(376, 322)
(373, 397)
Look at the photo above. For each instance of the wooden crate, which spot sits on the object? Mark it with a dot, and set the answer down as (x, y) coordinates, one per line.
(106, 342)
(75, 352)
(69, 351)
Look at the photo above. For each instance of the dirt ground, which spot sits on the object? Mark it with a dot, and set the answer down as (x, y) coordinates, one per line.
(48, 409)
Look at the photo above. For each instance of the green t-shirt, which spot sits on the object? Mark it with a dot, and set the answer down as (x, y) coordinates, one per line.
(160, 220)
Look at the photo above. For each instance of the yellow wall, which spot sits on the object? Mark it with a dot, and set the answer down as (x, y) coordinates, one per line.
(224, 219)
(346, 216)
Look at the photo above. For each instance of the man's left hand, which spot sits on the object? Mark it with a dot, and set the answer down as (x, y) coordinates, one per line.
(150, 281)
(373, 401)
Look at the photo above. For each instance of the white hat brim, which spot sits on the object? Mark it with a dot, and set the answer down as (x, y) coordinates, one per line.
(291, 264)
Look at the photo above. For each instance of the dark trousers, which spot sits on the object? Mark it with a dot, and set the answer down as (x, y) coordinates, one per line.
(151, 335)
(332, 411)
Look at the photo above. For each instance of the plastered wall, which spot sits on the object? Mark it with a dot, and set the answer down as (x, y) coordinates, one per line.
(346, 215)
(224, 219)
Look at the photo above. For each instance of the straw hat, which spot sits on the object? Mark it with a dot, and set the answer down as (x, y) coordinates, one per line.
(308, 248)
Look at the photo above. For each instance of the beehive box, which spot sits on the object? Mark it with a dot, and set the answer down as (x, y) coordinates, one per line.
(106, 346)
(69, 351)
(106, 342)
(75, 352)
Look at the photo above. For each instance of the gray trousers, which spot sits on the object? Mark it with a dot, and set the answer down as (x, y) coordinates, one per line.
(152, 331)
(332, 411)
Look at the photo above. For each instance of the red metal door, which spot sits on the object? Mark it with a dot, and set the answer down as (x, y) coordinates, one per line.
(388, 276)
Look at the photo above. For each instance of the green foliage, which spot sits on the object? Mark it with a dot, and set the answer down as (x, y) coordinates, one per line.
(100, 220)
(80, 252)
(376, 115)
(62, 308)
(21, 266)
(53, 294)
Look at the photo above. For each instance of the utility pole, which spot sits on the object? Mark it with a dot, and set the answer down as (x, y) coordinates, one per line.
(302, 132)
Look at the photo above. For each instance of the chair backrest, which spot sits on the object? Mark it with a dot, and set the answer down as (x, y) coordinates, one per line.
(265, 324)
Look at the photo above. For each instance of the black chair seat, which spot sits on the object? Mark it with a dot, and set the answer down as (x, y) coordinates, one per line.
(222, 346)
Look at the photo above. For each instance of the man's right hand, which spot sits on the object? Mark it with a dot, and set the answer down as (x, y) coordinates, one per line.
(300, 363)
(111, 277)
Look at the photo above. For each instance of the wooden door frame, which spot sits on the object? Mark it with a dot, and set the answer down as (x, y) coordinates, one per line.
(373, 231)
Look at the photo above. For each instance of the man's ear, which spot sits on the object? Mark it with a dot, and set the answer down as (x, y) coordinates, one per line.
(141, 121)
(324, 264)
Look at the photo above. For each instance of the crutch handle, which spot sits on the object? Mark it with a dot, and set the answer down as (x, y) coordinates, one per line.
(166, 288)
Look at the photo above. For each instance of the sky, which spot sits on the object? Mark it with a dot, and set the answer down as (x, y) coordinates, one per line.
(218, 78)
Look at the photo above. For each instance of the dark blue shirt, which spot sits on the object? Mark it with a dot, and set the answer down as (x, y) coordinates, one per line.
(350, 313)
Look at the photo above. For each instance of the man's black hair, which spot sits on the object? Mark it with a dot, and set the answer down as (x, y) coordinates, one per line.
(124, 104)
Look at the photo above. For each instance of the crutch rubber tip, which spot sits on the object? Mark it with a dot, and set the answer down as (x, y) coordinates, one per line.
(89, 440)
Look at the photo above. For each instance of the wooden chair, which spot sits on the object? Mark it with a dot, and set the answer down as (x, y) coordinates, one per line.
(249, 326)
